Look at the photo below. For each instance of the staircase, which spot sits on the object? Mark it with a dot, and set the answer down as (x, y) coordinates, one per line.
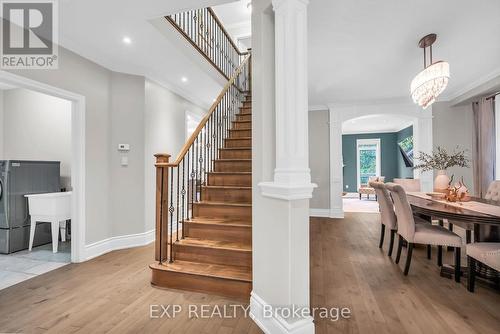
(214, 252)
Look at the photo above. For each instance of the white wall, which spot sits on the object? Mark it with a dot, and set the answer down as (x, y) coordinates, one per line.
(452, 127)
(37, 127)
(81, 76)
(319, 158)
(127, 127)
(165, 132)
(116, 107)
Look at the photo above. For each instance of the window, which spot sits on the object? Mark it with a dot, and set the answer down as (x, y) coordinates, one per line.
(368, 159)
(192, 121)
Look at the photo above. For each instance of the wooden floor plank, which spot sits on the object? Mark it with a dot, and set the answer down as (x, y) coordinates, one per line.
(349, 270)
(112, 293)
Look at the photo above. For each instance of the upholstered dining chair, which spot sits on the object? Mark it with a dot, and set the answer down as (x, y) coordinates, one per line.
(485, 252)
(426, 234)
(409, 184)
(493, 192)
(387, 214)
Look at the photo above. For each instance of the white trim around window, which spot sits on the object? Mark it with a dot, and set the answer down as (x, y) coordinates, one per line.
(359, 142)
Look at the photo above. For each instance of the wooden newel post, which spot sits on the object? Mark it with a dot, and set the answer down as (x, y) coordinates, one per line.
(161, 248)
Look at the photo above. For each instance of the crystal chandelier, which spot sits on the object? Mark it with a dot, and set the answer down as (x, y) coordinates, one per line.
(432, 80)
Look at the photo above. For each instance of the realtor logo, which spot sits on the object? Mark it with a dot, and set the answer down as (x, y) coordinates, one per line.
(29, 34)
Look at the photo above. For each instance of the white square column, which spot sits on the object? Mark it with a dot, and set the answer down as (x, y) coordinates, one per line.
(292, 176)
(281, 211)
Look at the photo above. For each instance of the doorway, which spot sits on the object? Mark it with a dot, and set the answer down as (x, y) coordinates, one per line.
(77, 154)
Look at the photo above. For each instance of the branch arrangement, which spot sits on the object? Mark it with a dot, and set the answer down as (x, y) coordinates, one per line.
(440, 159)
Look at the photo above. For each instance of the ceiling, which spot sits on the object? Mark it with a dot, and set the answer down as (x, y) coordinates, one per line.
(376, 124)
(367, 50)
(95, 29)
(236, 18)
(359, 51)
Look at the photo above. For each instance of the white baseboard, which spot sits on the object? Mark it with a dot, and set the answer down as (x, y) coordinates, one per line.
(319, 212)
(121, 242)
(328, 213)
(277, 325)
(336, 213)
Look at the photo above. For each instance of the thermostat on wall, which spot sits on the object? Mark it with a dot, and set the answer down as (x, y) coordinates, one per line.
(123, 147)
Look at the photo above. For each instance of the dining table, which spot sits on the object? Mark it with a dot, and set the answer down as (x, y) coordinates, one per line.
(479, 217)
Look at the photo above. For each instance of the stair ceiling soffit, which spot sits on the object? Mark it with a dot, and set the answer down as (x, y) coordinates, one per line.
(95, 29)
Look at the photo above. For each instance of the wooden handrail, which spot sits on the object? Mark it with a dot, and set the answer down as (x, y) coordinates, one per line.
(205, 32)
(210, 10)
(203, 122)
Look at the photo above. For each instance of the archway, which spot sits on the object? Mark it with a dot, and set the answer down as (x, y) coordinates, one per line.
(422, 136)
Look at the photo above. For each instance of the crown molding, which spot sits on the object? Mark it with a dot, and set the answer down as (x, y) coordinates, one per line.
(473, 85)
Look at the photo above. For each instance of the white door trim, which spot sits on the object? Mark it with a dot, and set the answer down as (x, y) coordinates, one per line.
(78, 221)
(359, 142)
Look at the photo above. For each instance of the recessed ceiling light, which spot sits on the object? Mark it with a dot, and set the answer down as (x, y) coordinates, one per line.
(184, 79)
(126, 40)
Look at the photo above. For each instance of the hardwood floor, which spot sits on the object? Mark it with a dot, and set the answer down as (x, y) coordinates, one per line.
(109, 294)
(349, 270)
(112, 293)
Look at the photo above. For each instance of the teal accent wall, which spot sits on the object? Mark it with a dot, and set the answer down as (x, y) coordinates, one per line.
(403, 171)
(392, 164)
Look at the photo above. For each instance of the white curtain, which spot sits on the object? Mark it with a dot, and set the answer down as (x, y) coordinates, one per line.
(483, 146)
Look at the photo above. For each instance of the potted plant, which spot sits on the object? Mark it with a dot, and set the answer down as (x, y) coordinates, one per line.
(440, 160)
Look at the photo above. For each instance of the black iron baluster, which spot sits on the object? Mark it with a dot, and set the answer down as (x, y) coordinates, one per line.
(171, 210)
(161, 213)
(183, 192)
(205, 145)
(177, 204)
(212, 140)
(192, 180)
(196, 169)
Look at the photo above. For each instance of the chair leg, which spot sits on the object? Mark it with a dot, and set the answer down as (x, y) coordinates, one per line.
(468, 236)
(450, 228)
(471, 273)
(382, 234)
(400, 247)
(408, 258)
(429, 252)
(440, 256)
(32, 233)
(360, 196)
(457, 264)
(391, 244)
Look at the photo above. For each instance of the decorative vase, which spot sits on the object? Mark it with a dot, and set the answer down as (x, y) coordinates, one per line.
(441, 182)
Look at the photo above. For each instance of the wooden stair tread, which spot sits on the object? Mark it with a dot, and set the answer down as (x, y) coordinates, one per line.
(223, 203)
(241, 138)
(233, 159)
(237, 173)
(235, 148)
(206, 269)
(221, 222)
(238, 121)
(217, 244)
(228, 187)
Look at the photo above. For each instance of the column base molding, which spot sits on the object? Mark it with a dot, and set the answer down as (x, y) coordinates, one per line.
(275, 324)
(287, 192)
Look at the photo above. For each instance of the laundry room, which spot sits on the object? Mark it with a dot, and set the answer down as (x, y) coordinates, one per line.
(35, 183)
